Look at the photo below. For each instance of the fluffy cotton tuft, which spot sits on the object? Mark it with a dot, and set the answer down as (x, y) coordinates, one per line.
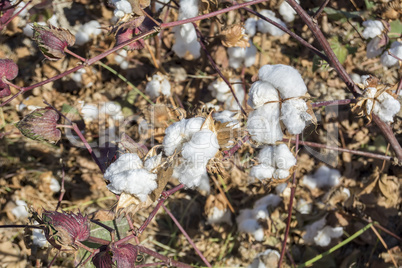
(388, 60)
(373, 48)
(239, 56)
(372, 29)
(202, 147)
(87, 31)
(303, 207)
(90, 112)
(323, 177)
(266, 27)
(157, 86)
(385, 106)
(123, 7)
(38, 238)
(270, 256)
(294, 115)
(227, 117)
(261, 93)
(221, 91)
(20, 211)
(287, 12)
(127, 175)
(323, 237)
(219, 216)
(250, 27)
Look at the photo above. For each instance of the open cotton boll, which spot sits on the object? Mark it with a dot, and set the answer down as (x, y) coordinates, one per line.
(54, 185)
(21, 210)
(286, 79)
(141, 183)
(323, 177)
(38, 238)
(157, 86)
(250, 27)
(124, 163)
(204, 183)
(323, 237)
(266, 27)
(202, 147)
(280, 188)
(239, 56)
(266, 259)
(153, 162)
(261, 93)
(388, 60)
(270, 200)
(186, 41)
(284, 159)
(122, 8)
(219, 216)
(303, 207)
(174, 136)
(91, 28)
(263, 124)
(190, 174)
(372, 29)
(373, 48)
(281, 173)
(262, 172)
(386, 107)
(294, 115)
(221, 91)
(188, 9)
(287, 12)
(312, 230)
(90, 112)
(251, 226)
(227, 117)
(193, 125)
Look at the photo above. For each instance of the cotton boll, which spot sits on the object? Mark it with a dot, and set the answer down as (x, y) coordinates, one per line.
(191, 174)
(250, 56)
(287, 12)
(312, 230)
(281, 174)
(91, 28)
(303, 207)
(38, 238)
(141, 183)
(286, 79)
(28, 30)
(120, 56)
(280, 188)
(248, 226)
(259, 234)
(270, 200)
(174, 136)
(20, 211)
(388, 60)
(266, 27)
(110, 108)
(186, 41)
(124, 163)
(202, 147)
(122, 7)
(261, 93)
(90, 112)
(284, 159)
(250, 27)
(54, 185)
(386, 107)
(294, 115)
(204, 183)
(263, 124)
(356, 78)
(219, 216)
(372, 29)
(260, 213)
(81, 38)
(153, 162)
(323, 177)
(188, 9)
(227, 117)
(266, 259)
(262, 172)
(157, 86)
(266, 155)
(239, 55)
(192, 126)
(323, 237)
(373, 48)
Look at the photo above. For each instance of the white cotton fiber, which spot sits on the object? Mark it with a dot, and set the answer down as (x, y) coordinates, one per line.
(250, 27)
(174, 136)
(287, 12)
(388, 60)
(280, 188)
(190, 174)
(372, 29)
(294, 115)
(219, 216)
(270, 200)
(123, 7)
(38, 238)
(202, 147)
(20, 211)
(312, 230)
(385, 106)
(204, 184)
(188, 9)
(90, 112)
(260, 260)
(267, 155)
(266, 27)
(140, 183)
(153, 162)
(157, 86)
(373, 49)
(284, 159)
(262, 172)
(281, 174)
(221, 91)
(239, 56)
(54, 185)
(86, 31)
(261, 93)
(286, 79)
(227, 116)
(323, 177)
(193, 125)
(303, 207)
(323, 237)
(263, 124)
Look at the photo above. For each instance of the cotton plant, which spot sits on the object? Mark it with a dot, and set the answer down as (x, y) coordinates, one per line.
(277, 84)
(389, 60)
(185, 35)
(324, 177)
(221, 91)
(247, 221)
(131, 175)
(321, 234)
(158, 85)
(275, 162)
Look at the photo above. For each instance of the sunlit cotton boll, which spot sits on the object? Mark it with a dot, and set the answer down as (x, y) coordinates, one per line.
(249, 225)
(286, 79)
(87, 31)
(294, 115)
(186, 41)
(90, 112)
(372, 29)
(123, 7)
(239, 56)
(388, 60)
(38, 238)
(312, 230)
(202, 147)
(323, 177)
(250, 27)
(191, 174)
(373, 48)
(261, 93)
(221, 91)
(287, 12)
(386, 107)
(127, 175)
(157, 86)
(21, 210)
(266, 27)
(263, 124)
(324, 236)
(120, 58)
(219, 216)
(303, 207)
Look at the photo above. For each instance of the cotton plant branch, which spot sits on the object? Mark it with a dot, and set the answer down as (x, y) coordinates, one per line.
(334, 62)
(211, 60)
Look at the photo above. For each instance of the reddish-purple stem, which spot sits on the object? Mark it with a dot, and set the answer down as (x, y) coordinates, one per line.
(186, 235)
(165, 259)
(290, 207)
(62, 190)
(16, 14)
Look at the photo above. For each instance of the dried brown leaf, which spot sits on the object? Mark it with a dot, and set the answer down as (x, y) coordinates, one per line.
(163, 177)
(234, 36)
(130, 204)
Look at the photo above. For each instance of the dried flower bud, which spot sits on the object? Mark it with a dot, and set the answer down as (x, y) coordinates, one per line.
(67, 227)
(52, 41)
(103, 258)
(125, 255)
(235, 36)
(41, 125)
(123, 35)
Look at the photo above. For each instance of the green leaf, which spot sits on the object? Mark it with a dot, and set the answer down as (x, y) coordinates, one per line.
(396, 27)
(340, 50)
(369, 4)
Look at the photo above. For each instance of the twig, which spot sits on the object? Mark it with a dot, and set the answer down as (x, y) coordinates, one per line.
(319, 11)
(384, 244)
(211, 60)
(290, 207)
(187, 236)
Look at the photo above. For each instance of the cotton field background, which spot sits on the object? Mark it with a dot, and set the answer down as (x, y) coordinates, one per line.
(254, 134)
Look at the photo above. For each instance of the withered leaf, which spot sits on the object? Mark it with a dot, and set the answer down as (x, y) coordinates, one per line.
(163, 177)
(234, 36)
(130, 204)
(131, 146)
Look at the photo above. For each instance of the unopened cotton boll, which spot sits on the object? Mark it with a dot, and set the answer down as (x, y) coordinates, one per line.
(389, 60)
(287, 12)
(261, 93)
(372, 29)
(263, 124)
(323, 177)
(323, 237)
(21, 209)
(286, 79)
(294, 115)
(250, 27)
(373, 48)
(157, 86)
(266, 27)
(239, 56)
